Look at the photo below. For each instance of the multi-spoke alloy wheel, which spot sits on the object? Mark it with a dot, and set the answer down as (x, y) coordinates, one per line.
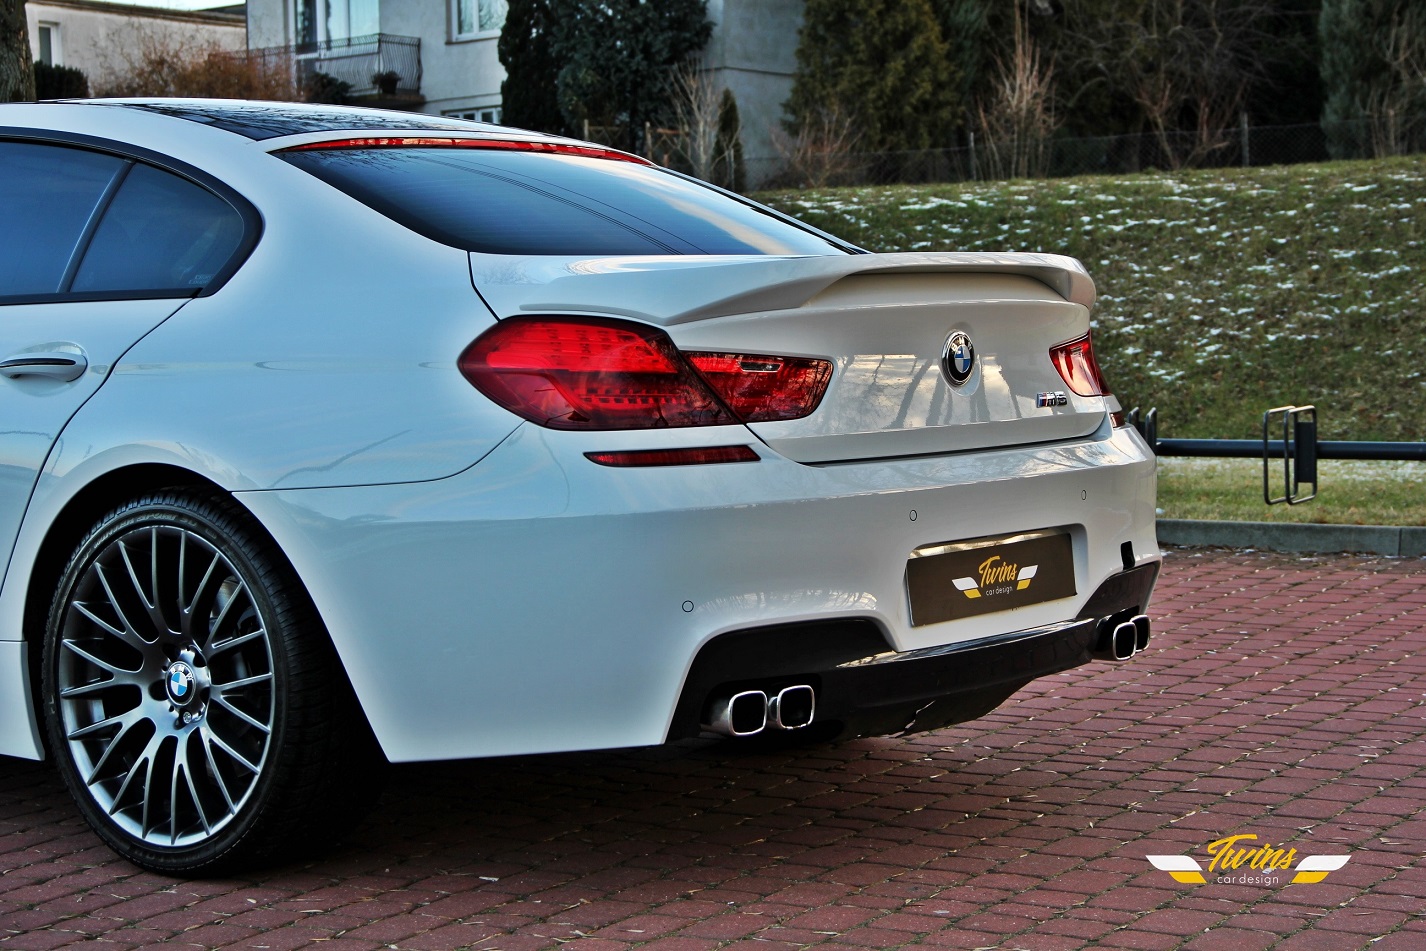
(166, 685)
(188, 689)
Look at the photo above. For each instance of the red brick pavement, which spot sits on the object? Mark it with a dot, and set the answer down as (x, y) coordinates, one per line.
(1282, 696)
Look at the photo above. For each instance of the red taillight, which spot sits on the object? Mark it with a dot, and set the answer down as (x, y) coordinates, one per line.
(1076, 363)
(760, 389)
(587, 373)
(600, 373)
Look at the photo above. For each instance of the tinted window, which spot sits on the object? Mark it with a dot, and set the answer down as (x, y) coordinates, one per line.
(514, 202)
(47, 196)
(161, 234)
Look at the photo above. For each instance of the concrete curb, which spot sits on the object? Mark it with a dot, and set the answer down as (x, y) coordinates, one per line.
(1408, 542)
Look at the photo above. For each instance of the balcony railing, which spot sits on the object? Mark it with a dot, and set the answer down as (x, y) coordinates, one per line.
(376, 64)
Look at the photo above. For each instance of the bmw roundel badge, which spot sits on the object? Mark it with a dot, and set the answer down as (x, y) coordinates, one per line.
(958, 358)
(180, 681)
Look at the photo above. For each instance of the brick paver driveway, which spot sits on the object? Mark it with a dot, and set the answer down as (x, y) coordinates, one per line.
(1281, 697)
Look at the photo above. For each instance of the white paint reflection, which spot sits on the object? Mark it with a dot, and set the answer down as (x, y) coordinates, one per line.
(789, 605)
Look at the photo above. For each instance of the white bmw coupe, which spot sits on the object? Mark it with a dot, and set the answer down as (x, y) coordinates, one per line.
(335, 435)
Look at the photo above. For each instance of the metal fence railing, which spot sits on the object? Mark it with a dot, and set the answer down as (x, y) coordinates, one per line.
(1117, 154)
(1294, 455)
(379, 63)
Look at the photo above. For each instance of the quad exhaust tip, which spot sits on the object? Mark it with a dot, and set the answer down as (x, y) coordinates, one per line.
(792, 708)
(1123, 640)
(750, 712)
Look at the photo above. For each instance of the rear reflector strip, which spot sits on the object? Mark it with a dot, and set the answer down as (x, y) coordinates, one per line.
(707, 455)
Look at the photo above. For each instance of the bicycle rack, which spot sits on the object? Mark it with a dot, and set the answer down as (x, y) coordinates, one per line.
(1299, 453)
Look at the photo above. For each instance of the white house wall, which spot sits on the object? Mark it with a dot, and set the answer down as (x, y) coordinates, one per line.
(101, 39)
(269, 23)
(753, 51)
(455, 74)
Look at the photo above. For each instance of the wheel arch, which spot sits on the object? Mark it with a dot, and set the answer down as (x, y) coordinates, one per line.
(74, 520)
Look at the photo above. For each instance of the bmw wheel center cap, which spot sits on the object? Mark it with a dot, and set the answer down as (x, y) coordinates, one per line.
(958, 358)
(181, 683)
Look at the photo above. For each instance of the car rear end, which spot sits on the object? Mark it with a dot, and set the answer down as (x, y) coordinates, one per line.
(970, 510)
(754, 480)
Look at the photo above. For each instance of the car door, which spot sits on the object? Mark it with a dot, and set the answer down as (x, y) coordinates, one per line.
(96, 249)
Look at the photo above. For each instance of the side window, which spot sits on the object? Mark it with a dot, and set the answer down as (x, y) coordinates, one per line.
(48, 194)
(162, 235)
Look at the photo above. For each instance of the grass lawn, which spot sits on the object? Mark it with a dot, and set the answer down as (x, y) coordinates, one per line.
(1222, 293)
(1349, 493)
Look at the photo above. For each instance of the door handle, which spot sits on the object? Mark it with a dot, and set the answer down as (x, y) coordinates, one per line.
(56, 366)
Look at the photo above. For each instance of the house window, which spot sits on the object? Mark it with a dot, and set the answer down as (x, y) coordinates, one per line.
(489, 114)
(477, 17)
(322, 20)
(49, 52)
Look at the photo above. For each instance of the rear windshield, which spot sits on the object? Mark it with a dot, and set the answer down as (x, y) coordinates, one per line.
(515, 202)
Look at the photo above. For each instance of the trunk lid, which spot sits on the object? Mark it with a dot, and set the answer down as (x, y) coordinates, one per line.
(884, 320)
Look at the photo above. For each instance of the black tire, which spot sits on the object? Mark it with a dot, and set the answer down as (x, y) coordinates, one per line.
(192, 698)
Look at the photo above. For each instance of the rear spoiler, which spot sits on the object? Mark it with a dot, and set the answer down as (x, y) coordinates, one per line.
(676, 289)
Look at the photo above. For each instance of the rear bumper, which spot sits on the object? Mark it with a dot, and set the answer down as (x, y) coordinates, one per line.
(540, 603)
(864, 688)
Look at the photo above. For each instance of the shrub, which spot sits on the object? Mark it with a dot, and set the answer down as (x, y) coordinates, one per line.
(386, 82)
(60, 82)
(157, 65)
(729, 170)
(325, 88)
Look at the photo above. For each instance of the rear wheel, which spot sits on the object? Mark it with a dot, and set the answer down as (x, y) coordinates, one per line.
(195, 706)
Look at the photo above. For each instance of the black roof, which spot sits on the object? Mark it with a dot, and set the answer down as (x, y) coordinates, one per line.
(263, 120)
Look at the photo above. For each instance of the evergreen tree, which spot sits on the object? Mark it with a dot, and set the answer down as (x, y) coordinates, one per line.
(1291, 90)
(728, 169)
(1374, 68)
(966, 26)
(880, 65)
(618, 58)
(528, 96)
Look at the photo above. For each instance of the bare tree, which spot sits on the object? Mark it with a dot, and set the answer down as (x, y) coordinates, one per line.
(696, 100)
(1398, 108)
(1019, 118)
(1187, 65)
(17, 64)
(823, 152)
(152, 63)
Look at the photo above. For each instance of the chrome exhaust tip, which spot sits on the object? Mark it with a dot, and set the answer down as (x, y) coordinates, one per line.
(743, 714)
(1141, 629)
(792, 708)
(1125, 640)
(1120, 640)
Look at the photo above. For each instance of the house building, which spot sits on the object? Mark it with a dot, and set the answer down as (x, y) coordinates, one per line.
(445, 57)
(99, 38)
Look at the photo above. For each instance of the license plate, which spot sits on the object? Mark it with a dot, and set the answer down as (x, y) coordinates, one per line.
(964, 579)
